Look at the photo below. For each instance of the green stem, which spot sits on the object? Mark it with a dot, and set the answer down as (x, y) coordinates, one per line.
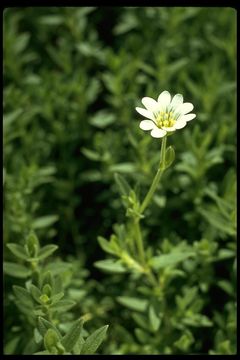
(146, 201)
(157, 177)
(140, 248)
(152, 278)
(139, 240)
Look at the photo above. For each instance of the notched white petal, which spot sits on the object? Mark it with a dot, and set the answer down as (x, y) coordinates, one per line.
(150, 104)
(146, 125)
(158, 133)
(146, 113)
(185, 108)
(164, 99)
(170, 128)
(177, 100)
(180, 124)
(189, 117)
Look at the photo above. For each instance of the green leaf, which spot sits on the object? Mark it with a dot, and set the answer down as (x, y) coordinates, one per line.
(22, 42)
(129, 22)
(47, 278)
(57, 285)
(58, 267)
(77, 294)
(225, 254)
(170, 156)
(127, 168)
(52, 20)
(32, 244)
(226, 286)
(44, 352)
(102, 119)
(23, 295)
(153, 319)
(37, 336)
(11, 345)
(9, 118)
(94, 341)
(55, 298)
(197, 320)
(161, 261)
(46, 251)
(78, 346)
(218, 221)
(44, 221)
(63, 305)
(225, 348)
(122, 184)
(133, 303)
(189, 295)
(110, 266)
(47, 290)
(90, 154)
(185, 341)
(141, 320)
(71, 338)
(16, 270)
(44, 325)
(142, 336)
(18, 251)
(35, 292)
(51, 339)
(106, 245)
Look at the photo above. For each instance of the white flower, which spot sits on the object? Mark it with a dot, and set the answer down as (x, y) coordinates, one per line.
(165, 114)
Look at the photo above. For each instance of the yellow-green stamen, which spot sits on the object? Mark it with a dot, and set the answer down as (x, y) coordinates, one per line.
(165, 119)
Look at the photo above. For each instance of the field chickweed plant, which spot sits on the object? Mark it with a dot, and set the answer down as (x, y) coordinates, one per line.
(119, 231)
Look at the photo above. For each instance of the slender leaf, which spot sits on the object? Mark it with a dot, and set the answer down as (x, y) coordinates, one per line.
(18, 251)
(44, 221)
(94, 341)
(63, 305)
(23, 295)
(133, 303)
(71, 338)
(110, 266)
(106, 246)
(46, 251)
(44, 325)
(161, 261)
(16, 270)
(122, 184)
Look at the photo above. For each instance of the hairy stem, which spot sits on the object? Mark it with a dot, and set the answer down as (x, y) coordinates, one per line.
(145, 203)
(139, 240)
(141, 253)
(157, 177)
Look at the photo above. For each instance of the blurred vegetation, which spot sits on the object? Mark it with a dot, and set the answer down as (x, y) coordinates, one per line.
(72, 80)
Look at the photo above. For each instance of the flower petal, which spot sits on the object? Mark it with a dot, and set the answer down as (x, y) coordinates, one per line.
(188, 117)
(150, 104)
(184, 108)
(170, 128)
(180, 124)
(146, 125)
(164, 99)
(158, 133)
(177, 100)
(148, 114)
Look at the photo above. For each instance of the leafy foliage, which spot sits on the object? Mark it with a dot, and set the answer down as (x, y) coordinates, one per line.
(76, 169)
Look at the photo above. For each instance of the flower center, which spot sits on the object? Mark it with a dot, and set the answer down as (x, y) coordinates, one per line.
(165, 119)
